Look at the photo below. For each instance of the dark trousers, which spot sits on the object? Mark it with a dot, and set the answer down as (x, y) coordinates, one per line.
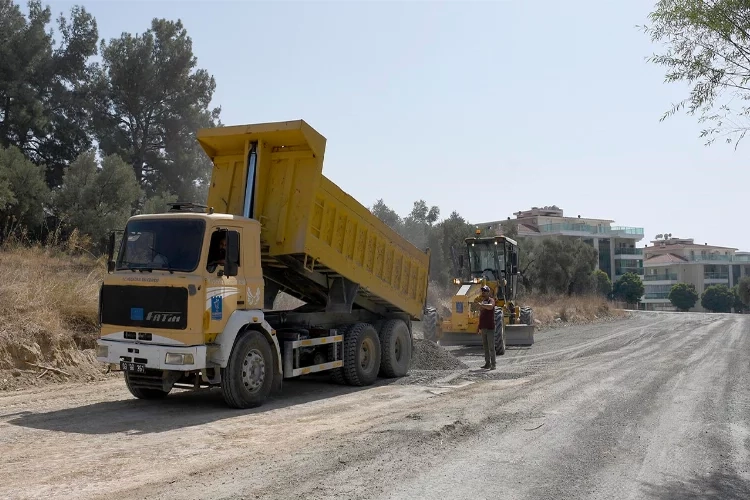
(488, 341)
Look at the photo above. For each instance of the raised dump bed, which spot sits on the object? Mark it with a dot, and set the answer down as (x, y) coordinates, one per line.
(318, 243)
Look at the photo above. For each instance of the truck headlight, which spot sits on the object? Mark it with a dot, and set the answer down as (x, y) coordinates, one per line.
(178, 359)
(102, 351)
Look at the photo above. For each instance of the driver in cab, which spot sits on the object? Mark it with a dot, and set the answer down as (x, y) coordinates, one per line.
(217, 251)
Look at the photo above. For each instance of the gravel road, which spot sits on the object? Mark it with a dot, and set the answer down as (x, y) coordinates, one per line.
(655, 406)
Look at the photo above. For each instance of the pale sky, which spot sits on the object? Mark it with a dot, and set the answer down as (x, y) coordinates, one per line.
(485, 108)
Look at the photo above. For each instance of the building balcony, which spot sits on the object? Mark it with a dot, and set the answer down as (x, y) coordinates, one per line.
(661, 277)
(717, 277)
(656, 296)
(587, 229)
(711, 258)
(624, 270)
(631, 231)
(628, 251)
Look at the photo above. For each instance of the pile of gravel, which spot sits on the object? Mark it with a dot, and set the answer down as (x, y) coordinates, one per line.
(429, 356)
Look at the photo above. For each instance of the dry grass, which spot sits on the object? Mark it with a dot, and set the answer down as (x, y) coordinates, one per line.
(547, 309)
(48, 310)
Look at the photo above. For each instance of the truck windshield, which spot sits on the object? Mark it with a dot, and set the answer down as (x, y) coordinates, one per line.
(172, 245)
(486, 255)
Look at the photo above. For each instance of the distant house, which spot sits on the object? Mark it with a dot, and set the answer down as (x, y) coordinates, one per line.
(674, 260)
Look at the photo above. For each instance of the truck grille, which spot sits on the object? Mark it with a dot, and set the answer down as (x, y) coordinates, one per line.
(145, 307)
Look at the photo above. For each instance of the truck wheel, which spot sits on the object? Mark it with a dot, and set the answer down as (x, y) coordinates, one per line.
(499, 332)
(248, 377)
(395, 348)
(337, 374)
(361, 355)
(144, 392)
(527, 316)
(430, 324)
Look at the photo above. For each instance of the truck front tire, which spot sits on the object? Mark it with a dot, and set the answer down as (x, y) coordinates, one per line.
(395, 347)
(247, 380)
(361, 355)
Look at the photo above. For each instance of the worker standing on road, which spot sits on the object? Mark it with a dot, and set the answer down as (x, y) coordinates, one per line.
(487, 326)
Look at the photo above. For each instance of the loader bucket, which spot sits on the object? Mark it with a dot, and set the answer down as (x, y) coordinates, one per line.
(519, 335)
(460, 339)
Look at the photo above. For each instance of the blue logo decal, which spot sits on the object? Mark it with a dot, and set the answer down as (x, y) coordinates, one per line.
(216, 305)
(136, 314)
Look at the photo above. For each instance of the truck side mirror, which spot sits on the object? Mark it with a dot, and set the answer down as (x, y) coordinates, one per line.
(111, 253)
(461, 261)
(231, 262)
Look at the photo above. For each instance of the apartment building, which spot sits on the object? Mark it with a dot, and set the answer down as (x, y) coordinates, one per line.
(673, 260)
(616, 244)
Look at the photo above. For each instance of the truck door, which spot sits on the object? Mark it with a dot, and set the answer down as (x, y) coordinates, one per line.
(223, 292)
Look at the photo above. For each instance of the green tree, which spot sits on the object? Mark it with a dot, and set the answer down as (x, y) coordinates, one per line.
(707, 47)
(387, 215)
(743, 291)
(96, 200)
(718, 298)
(683, 296)
(603, 283)
(629, 288)
(150, 101)
(739, 307)
(564, 265)
(25, 192)
(45, 84)
(451, 234)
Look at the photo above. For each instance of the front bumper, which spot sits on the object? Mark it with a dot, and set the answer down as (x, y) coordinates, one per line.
(152, 356)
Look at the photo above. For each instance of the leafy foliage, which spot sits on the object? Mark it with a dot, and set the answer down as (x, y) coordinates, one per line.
(44, 84)
(150, 100)
(603, 283)
(718, 298)
(708, 46)
(743, 291)
(683, 296)
(96, 200)
(738, 306)
(629, 288)
(22, 190)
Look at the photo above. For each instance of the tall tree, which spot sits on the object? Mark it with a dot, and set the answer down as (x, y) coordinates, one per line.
(150, 100)
(44, 84)
(708, 47)
(683, 296)
(718, 298)
(22, 191)
(96, 199)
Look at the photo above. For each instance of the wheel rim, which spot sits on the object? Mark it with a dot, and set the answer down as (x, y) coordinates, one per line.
(366, 354)
(253, 371)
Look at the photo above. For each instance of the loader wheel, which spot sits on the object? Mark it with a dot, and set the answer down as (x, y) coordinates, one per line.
(527, 316)
(430, 324)
(361, 355)
(395, 348)
(248, 377)
(499, 332)
(337, 374)
(144, 392)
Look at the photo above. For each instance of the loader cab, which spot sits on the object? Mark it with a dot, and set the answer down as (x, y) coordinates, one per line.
(493, 259)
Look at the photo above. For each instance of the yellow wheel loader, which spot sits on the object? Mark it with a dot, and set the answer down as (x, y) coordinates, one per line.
(492, 261)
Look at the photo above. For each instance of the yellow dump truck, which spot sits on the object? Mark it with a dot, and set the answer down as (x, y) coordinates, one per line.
(188, 298)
